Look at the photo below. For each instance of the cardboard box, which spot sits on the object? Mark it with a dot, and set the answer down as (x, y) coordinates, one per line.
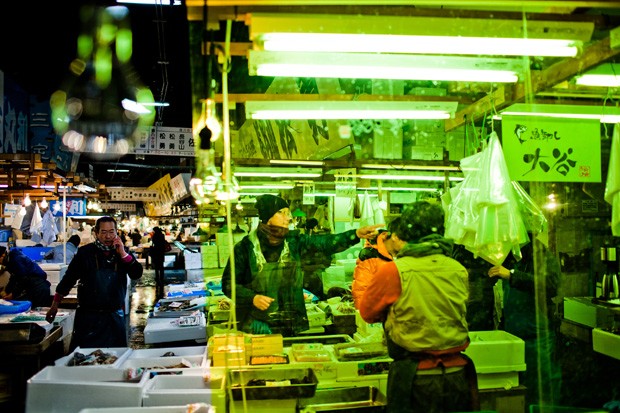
(266, 344)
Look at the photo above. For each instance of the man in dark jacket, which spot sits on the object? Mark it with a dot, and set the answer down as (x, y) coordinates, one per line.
(28, 281)
(268, 274)
(102, 268)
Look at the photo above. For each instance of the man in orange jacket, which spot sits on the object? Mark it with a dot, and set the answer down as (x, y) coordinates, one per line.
(375, 253)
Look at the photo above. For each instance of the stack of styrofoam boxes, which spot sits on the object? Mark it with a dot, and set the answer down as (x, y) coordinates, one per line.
(227, 350)
(498, 356)
(167, 390)
(54, 272)
(193, 260)
(61, 389)
(364, 329)
(223, 246)
(209, 256)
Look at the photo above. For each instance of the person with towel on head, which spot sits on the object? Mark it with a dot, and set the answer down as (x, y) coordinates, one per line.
(268, 275)
(57, 254)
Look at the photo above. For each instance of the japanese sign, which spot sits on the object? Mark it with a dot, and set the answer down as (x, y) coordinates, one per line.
(75, 207)
(552, 150)
(159, 140)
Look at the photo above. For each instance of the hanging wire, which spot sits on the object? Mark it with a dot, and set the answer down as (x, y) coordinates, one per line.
(162, 58)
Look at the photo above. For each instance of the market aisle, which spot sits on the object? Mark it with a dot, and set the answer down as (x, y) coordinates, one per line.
(141, 304)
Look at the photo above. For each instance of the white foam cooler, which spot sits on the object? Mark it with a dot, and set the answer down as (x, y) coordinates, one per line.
(169, 390)
(62, 389)
(498, 356)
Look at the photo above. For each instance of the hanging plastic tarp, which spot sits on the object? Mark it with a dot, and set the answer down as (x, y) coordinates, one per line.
(49, 229)
(483, 213)
(612, 186)
(371, 214)
(36, 224)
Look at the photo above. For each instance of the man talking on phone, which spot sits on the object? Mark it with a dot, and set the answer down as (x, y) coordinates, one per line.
(100, 269)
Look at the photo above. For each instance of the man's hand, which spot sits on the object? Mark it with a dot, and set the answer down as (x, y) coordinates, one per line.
(51, 313)
(120, 248)
(368, 232)
(262, 302)
(499, 271)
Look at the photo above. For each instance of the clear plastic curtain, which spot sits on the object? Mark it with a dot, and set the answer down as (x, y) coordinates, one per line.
(612, 187)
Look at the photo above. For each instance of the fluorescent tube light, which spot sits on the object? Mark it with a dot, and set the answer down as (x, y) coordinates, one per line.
(267, 186)
(388, 43)
(395, 177)
(599, 80)
(383, 66)
(605, 114)
(278, 172)
(152, 2)
(295, 162)
(349, 110)
(603, 75)
(400, 188)
(410, 167)
(118, 170)
(417, 34)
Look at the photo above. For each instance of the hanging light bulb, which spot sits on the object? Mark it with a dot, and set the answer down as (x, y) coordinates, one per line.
(102, 100)
(57, 206)
(22, 211)
(43, 203)
(27, 201)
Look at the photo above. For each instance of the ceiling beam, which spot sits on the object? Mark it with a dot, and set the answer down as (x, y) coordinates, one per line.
(541, 80)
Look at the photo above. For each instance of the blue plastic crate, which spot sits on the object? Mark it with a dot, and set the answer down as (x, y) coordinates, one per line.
(35, 253)
(5, 234)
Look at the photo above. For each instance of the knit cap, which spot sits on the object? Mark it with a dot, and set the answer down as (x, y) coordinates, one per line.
(267, 205)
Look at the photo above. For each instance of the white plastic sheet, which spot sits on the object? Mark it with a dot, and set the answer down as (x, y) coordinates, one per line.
(482, 211)
(612, 186)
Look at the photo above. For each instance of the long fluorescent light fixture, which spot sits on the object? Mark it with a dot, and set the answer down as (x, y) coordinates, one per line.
(396, 167)
(604, 75)
(417, 35)
(295, 162)
(279, 172)
(605, 114)
(395, 177)
(383, 66)
(267, 186)
(349, 110)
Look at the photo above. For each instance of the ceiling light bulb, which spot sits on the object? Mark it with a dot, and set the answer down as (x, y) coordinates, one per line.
(27, 201)
(22, 211)
(56, 207)
(43, 203)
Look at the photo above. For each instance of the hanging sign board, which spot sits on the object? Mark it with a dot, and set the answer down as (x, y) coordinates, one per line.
(308, 194)
(160, 140)
(552, 149)
(75, 207)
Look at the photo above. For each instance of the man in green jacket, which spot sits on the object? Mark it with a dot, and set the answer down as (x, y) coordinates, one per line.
(268, 279)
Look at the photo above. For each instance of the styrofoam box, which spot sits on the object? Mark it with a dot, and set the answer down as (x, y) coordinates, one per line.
(156, 409)
(69, 389)
(496, 351)
(121, 352)
(166, 364)
(606, 343)
(169, 390)
(159, 352)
